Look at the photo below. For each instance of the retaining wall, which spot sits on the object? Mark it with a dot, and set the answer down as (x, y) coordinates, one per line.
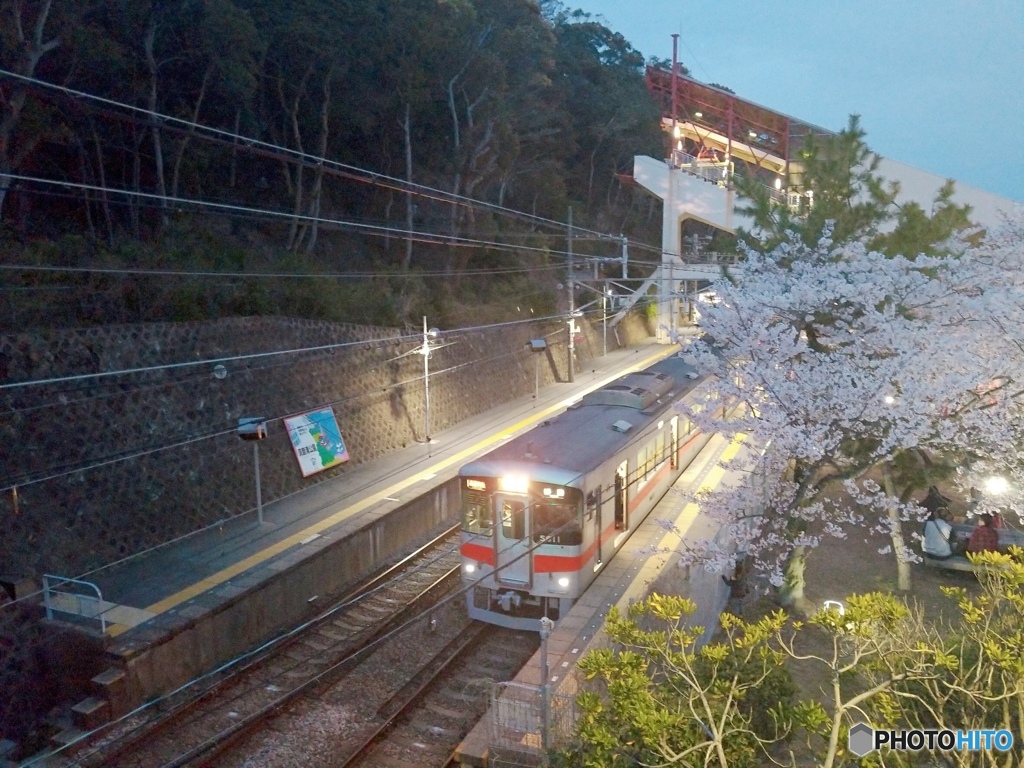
(106, 467)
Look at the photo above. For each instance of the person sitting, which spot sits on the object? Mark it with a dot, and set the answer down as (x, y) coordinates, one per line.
(939, 536)
(984, 538)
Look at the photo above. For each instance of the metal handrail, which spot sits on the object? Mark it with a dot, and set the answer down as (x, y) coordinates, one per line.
(89, 600)
(720, 173)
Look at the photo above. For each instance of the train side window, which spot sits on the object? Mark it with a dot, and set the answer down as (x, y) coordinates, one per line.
(513, 520)
(621, 497)
(477, 513)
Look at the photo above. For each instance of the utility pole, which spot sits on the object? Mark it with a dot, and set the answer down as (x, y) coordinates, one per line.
(572, 308)
(425, 351)
(426, 382)
(604, 318)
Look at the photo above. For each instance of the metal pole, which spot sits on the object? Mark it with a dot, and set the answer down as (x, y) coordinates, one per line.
(259, 493)
(625, 257)
(426, 382)
(675, 101)
(546, 625)
(572, 308)
(604, 317)
(536, 377)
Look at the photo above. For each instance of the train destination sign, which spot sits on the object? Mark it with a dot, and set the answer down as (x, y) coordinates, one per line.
(316, 441)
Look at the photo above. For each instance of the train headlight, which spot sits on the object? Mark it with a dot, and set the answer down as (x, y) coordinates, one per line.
(564, 582)
(470, 567)
(513, 483)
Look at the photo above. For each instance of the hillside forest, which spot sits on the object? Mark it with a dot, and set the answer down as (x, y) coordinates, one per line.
(420, 157)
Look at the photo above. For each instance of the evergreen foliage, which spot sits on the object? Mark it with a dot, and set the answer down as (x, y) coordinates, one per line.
(532, 107)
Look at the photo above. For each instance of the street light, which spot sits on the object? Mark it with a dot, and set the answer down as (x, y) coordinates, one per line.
(996, 485)
(255, 428)
(425, 351)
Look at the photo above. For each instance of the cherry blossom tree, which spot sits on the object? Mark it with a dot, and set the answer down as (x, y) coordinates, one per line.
(850, 360)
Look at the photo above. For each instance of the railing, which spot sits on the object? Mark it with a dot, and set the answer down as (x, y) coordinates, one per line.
(720, 173)
(73, 602)
(717, 172)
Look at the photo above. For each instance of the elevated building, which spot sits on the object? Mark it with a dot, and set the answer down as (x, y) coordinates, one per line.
(715, 135)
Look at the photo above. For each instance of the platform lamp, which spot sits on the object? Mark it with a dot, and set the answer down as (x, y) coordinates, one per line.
(428, 335)
(255, 428)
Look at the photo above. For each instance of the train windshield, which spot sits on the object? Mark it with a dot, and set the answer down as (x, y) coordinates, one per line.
(558, 521)
(476, 512)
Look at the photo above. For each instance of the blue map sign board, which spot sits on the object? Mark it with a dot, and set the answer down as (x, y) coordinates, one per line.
(316, 441)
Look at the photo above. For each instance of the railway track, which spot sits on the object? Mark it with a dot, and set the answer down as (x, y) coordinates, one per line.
(197, 726)
(423, 723)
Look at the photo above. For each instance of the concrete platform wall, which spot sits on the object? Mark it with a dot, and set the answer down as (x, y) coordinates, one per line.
(220, 625)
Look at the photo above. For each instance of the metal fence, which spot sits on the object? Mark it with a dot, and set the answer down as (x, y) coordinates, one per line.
(520, 733)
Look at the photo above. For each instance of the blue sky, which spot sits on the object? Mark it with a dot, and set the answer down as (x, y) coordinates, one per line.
(939, 84)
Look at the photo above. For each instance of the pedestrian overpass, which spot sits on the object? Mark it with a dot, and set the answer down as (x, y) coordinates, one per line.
(711, 132)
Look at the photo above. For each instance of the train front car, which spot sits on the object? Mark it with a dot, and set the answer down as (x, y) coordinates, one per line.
(545, 511)
(522, 536)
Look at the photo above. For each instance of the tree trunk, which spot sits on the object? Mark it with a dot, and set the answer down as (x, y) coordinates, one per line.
(321, 152)
(158, 153)
(133, 200)
(83, 165)
(102, 172)
(234, 149)
(406, 125)
(180, 154)
(791, 593)
(31, 52)
(903, 573)
(293, 230)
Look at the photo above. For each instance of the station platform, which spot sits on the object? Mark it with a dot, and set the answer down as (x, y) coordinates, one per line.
(171, 614)
(512, 733)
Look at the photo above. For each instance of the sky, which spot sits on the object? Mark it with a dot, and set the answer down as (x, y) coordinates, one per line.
(939, 84)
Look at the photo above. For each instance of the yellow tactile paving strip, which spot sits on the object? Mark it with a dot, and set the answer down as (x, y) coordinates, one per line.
(342, 515)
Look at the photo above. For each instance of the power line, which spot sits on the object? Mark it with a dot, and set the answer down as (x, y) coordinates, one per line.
(188, 364)
(429, 237)
(281, 275)
(157, 120)
(106, 461)
(233, 358)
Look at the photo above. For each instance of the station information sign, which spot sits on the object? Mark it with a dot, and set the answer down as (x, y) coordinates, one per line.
(316, 440)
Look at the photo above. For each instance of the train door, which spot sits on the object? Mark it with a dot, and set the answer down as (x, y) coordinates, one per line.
(512, 540)
(675, 442)
(622, 497)
(598, 527)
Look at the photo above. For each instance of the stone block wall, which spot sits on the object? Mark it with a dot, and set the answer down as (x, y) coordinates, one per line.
(108, 466)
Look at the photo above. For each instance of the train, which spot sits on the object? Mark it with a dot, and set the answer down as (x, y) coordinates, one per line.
(544, 512)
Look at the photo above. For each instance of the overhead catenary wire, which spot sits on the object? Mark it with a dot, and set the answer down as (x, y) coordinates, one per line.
(276, 275)
(232, 358)
(433, 238)
(158, 119)
(96, 463)
(422, 236)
